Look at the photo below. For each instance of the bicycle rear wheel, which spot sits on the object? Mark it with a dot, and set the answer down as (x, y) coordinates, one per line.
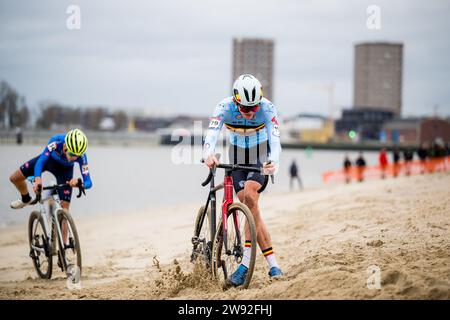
(202, 240)
(225, 263)
(69, 253)
(39, 246)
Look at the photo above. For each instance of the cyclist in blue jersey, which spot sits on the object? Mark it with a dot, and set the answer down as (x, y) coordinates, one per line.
(59, 157)
(255, 141)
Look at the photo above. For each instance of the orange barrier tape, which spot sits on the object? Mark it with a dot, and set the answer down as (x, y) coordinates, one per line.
(391, 170)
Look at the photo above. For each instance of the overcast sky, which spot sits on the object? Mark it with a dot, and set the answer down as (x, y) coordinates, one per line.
(173, 56)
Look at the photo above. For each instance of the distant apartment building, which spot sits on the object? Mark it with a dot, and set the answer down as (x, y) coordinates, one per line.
(378, 76)
(255, 56)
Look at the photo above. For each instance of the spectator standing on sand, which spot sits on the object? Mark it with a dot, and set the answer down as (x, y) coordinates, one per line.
(396, 160)
(347, 168)
(408, 157)
(422, 152)
(383, 160)
(293, 171)
(361, 166)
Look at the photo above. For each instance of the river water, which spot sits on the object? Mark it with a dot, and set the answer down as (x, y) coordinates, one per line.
(139, 177)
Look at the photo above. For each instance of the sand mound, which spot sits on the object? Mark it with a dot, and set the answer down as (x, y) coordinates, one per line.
(332, 243)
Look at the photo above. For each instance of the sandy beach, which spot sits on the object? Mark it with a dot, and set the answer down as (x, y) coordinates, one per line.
(325, 240)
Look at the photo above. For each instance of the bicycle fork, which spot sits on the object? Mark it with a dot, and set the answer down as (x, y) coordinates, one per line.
(46, 241)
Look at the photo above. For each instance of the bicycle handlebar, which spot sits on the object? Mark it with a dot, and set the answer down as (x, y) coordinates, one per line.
(234, 167)
(80, 186)
(208, 179)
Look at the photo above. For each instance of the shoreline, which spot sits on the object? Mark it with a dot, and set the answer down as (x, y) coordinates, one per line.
(152, 139)
(324, 239)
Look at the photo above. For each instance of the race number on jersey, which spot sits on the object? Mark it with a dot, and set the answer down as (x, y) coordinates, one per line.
(276, 131)
(52, 146)
(85, 169)
(214, 124)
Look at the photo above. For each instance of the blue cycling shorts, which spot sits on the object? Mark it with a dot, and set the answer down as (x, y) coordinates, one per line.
(61, 173)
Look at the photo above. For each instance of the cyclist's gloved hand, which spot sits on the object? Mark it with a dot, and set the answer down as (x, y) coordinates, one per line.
(269, 168)
(37, 184)
(211, 161)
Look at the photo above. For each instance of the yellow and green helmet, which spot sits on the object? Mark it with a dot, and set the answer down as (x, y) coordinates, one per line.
(76, 142)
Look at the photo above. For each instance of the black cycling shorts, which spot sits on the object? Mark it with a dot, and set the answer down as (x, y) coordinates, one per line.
(250, 157)
(62, 174)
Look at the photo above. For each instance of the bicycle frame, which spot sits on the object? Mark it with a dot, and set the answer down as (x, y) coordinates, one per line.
(43, 213)
(215, 250)
(54, 221)
(228, 200)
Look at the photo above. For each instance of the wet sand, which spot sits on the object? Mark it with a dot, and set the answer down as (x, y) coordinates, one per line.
(325, 241)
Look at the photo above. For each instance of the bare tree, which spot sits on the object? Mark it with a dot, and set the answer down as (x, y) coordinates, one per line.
(13, 109)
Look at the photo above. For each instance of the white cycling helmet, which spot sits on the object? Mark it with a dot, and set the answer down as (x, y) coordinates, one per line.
(247, 90)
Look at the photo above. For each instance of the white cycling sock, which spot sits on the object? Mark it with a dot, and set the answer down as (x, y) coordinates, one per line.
(270, 257)
(247, 253)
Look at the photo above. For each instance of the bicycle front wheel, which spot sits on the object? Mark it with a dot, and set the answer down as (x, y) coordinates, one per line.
(227, 258)
(39, 246)
(69, 253)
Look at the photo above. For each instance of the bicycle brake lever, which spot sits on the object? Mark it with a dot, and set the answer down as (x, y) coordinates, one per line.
(271, 176)
(36, 200)
(80, 188)
(39, 192)
(80, 191)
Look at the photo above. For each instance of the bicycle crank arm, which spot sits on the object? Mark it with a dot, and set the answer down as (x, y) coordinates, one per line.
(38, 249)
